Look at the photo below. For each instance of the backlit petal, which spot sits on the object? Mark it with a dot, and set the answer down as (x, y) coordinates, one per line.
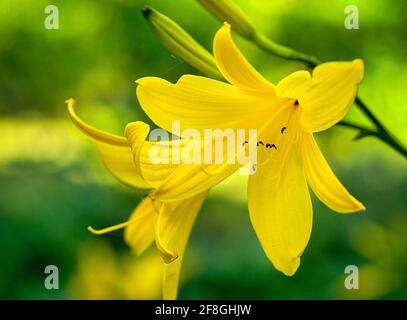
(159, 159)
(119, 161)
(294, 85)
(140, 232)
(191, 179)
(114, 150)
(327, 96)
(175, 227)
(156, 160)
(201, 103)
(324, 182)
(281, 210)
(188, 180)
(234, 66)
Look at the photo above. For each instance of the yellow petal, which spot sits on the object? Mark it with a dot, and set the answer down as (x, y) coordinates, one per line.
(153, 169)
(294, 85)
(327, 96)
(119, 161)
(154, 160)
(175, 227)
(148, 167)
(234, 66)
(114, 150)
(161, 165)
(188, 180)
(201, 103)
(191, 179)
(323, 181)
(281, 210)
(140, 231)
(280, 134)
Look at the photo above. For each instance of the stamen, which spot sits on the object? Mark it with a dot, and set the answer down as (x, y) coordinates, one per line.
(292, 138)
(296, 103)
(119, 225)
(112, 228)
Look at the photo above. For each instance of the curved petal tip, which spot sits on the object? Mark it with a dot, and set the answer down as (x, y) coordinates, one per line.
(359, 66)
(288, 265)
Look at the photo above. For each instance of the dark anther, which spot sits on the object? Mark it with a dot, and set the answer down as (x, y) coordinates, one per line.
(246, 142)
(283, 129)
(268, 145)
(296, 103)
(260, 142)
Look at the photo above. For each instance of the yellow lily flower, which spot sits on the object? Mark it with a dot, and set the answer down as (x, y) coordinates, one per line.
(169, 224)
(285, 115)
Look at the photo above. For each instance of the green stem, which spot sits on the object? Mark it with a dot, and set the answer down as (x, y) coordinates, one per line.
(288, 53)
(363, 107)
(357, 127)
(381, 132)
(384, 137)
(394, 143)
(284, 52)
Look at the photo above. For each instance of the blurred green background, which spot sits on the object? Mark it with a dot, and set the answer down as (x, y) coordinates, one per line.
(53, 185)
